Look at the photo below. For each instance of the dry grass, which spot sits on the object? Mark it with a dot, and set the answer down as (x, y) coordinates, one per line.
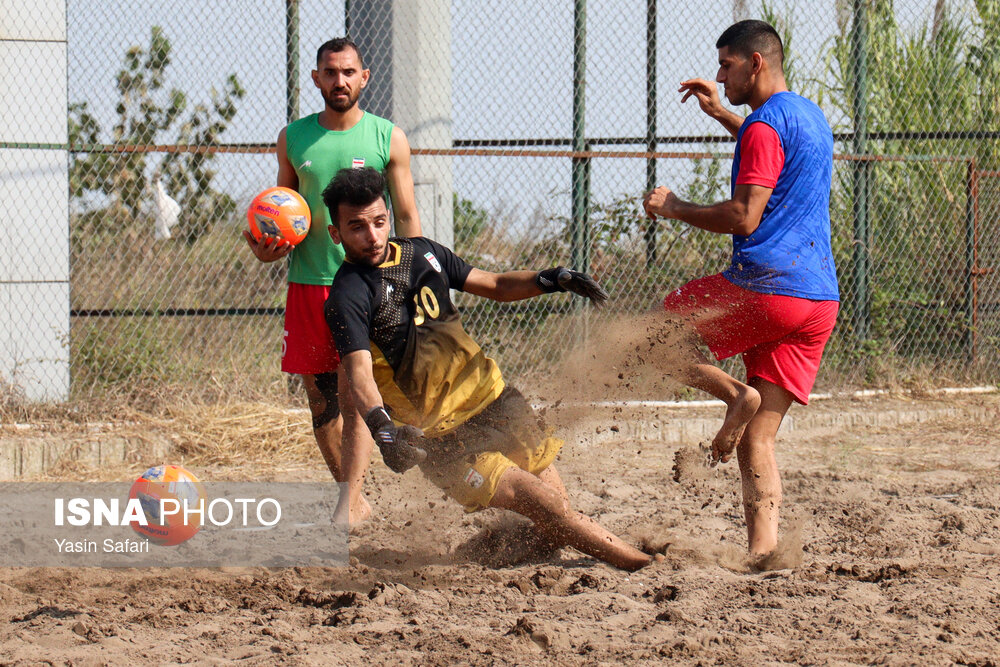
(246, 440)
(239, 433)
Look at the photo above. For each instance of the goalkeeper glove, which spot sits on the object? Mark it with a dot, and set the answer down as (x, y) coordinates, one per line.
(561, 279)
(394, 441)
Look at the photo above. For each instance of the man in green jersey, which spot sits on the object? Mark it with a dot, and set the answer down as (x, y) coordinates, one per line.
(310, 152)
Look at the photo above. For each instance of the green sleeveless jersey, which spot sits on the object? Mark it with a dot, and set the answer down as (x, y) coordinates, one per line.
(317, 155)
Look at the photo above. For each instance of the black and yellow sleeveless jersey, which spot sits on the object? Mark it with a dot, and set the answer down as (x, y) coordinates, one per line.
(430, 372)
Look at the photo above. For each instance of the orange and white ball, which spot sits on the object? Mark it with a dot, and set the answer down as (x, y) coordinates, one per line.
(281, 213)
(179, 488)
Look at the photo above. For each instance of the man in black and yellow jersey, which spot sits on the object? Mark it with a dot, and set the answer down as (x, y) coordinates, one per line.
(404, 350)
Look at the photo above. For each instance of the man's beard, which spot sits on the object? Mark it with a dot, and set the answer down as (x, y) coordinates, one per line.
(738, 98)
(341, 104)
(366, 260)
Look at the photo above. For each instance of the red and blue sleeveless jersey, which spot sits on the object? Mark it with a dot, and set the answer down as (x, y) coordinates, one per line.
(790, 252)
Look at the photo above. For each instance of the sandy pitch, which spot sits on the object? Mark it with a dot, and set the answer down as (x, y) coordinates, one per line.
(892, 538)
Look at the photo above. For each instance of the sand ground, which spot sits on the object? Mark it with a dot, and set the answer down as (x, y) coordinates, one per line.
(891, 555)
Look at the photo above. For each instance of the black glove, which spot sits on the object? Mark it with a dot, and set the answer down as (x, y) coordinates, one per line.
(394, 441)
(561, 279)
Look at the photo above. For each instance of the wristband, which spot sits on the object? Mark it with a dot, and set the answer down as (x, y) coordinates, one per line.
(376, 420)
(548, 280)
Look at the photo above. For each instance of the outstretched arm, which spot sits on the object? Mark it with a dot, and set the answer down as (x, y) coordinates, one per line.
(509, 286)
(392, 441)
(519, 285)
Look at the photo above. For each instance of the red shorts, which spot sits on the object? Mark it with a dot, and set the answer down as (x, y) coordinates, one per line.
(781, 337)
(307, 348)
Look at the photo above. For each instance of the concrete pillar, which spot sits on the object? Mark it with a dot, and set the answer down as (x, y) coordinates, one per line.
(34, 186)
(411, 85)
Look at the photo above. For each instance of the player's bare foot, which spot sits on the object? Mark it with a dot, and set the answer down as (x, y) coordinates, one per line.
(649, 560)
(739, 413)
(360, 512)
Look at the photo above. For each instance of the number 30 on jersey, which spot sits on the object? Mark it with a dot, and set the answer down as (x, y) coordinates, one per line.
(427, 305)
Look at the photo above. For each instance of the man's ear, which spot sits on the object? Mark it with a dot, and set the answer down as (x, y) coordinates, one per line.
(756, 62)
(365, 77)
(334, 232)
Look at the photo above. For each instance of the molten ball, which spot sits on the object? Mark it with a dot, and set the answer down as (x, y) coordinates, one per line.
(279, 213)
(164, 492)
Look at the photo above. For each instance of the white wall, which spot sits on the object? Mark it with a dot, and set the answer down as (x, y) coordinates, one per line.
(411, 85)
(34, 189)
(422, 105)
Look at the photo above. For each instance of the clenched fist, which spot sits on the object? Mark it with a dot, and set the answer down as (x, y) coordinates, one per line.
(659, 202)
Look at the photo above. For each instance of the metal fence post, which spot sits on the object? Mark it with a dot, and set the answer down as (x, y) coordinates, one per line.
(292, 59)
(862, 170)
(971, 225)
(651, 124)
(580, 237)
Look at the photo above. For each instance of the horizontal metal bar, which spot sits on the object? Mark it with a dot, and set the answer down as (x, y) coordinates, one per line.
(645, 155)
(141, 148)
(596, 141)
(173, 312)
(37, 146)
(913, 135)
(906, 135)
(23, 40)
(248, 310)
(502, 152)
(462, 152)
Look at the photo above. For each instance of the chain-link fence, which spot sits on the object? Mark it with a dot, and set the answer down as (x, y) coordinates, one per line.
(535, 128)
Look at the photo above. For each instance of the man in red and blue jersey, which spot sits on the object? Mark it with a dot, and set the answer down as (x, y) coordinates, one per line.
(777, 302)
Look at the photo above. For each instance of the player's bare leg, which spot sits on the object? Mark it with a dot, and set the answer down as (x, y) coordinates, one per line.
(356, 454)
(742, 402)
(329, 434)
(551, 477)
(759, 468)
(329, 437)
(537, 542)
(671, 346)
(546, 505)
(741, 399)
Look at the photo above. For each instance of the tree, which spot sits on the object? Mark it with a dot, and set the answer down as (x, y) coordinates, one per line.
(470, 220)
(144, 114)
(940, 78)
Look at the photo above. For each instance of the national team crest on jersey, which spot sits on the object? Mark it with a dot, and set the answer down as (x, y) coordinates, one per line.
(357, 163)
(473, 478)
(429, 256)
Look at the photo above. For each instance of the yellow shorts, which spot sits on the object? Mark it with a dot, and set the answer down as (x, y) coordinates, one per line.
(467, 463)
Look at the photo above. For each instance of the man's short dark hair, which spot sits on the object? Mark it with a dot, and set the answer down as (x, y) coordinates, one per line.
(354, 187)
(336, 46)
(747, 37)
